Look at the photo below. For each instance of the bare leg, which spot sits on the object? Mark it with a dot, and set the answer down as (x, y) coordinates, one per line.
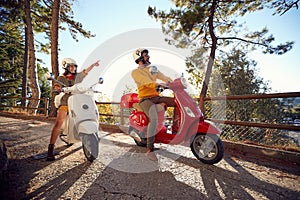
(61, 116)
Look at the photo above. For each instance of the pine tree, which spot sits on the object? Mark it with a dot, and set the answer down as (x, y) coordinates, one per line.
(211, 24)
(18, 30)
(11, 56)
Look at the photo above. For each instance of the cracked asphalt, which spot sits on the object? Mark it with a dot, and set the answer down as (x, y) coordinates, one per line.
(123, 172)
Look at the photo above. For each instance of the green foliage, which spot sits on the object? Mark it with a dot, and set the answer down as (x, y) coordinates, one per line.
(195, 65)
(189, 23)
(291, 107)
(67, 17)
(238, 74)
(282, 6)
(267, 110)
(210, 25)
(44, 83)
(12, 39)
(11, 56)
(105, 108)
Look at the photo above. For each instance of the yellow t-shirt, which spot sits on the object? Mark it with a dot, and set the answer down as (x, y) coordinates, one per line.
(146, 82)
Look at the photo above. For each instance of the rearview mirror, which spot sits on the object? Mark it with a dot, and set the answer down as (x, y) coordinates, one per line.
(100, 81)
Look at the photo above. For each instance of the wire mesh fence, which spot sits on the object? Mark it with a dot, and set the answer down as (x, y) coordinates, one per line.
(267, 120)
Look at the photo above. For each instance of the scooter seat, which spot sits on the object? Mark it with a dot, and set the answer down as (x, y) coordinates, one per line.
(163, 107)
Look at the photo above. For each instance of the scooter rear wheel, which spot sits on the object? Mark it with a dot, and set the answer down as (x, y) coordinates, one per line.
(90, 145)
(207, 148)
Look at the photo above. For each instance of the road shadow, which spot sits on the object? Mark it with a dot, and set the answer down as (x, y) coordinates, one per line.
(15, 182)
(23, 140)
(182, 178)
(287, 167)
(235, 181)
(154, 184)
(55, 188)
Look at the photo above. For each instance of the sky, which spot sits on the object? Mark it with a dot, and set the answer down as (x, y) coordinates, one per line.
(110, 20)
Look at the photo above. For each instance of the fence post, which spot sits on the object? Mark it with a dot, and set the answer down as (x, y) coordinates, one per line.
(46, 106)
(122, 116)
(201, 104)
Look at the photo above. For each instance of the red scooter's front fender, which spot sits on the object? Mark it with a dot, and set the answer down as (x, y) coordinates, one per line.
(207, 127)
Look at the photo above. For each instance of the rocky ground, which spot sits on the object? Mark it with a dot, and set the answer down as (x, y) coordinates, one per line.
(123, 172)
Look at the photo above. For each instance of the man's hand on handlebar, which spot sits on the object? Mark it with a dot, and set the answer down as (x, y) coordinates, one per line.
(160, 87)
(163, 85)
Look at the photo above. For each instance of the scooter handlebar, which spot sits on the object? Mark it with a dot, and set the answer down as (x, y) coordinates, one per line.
(160, 87)
(77, 88)
(164, 85)
(178, 83)
(80, 88)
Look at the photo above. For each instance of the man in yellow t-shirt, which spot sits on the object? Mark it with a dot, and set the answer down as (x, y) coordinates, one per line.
(145, 77)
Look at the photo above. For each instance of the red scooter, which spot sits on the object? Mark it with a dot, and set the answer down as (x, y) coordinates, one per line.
(188, 127)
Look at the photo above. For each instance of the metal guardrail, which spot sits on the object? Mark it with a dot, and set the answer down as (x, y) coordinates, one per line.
(13, 104)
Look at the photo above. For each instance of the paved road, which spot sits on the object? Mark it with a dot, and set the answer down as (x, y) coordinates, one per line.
(123, 172)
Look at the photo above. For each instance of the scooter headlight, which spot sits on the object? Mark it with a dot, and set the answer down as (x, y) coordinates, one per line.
(184, 82)
(189, 112)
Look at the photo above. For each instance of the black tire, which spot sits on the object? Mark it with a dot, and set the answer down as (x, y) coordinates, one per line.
(90, 145)
(143, 142)
(208, 148)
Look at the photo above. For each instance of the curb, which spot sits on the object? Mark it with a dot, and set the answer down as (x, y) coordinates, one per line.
(27, 117)
(260, 151)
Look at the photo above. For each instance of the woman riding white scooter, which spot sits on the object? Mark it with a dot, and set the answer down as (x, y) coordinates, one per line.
(69, 78)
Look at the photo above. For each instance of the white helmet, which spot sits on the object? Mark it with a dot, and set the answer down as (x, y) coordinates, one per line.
(68, 61)
(137, 54)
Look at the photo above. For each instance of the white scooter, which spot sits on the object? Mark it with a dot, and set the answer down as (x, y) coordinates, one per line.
(82, 122)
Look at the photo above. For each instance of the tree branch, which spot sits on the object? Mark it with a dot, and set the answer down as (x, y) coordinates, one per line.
(290, 6)
(244, 40)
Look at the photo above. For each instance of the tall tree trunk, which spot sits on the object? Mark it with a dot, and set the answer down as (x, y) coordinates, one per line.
(25, 67)
(212, 55)
(54, 47)
(32, 69)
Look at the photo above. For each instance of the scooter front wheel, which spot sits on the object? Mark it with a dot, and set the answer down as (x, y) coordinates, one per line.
(90, 145)
(207, 148)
